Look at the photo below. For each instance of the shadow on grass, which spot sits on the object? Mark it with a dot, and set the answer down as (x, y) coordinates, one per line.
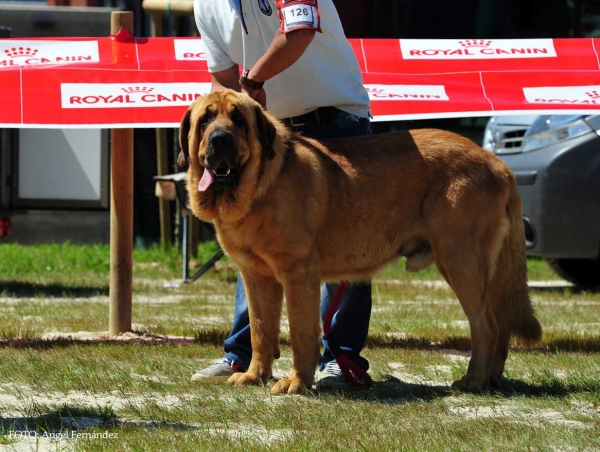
(67, 421)
(392, 390)
(63, 419)
(566, 289)
(21, 289)
(209, 336)
(216, 336)
(47, 344)
(555, 344)
(462, 343)
(547, 387)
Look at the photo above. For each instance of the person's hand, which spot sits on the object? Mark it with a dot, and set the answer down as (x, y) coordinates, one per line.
(259, 95)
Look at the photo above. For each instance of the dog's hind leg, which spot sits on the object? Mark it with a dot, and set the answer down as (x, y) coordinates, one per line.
(509, 291)
(464, 267)
(500, 358)
(265, 299)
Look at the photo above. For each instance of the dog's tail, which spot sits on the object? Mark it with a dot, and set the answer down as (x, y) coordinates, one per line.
(509, 291)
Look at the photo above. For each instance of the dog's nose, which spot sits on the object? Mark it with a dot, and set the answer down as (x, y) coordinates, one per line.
(221, 140)
(221, 146)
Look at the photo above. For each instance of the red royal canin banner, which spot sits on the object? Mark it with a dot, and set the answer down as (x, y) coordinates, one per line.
(109, 83)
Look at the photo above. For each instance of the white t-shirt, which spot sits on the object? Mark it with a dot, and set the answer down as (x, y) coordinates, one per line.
(327, 74)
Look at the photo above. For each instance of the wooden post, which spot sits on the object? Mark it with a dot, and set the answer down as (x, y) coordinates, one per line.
(121, 212)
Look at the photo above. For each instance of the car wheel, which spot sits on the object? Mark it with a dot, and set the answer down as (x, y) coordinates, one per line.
(584, 273)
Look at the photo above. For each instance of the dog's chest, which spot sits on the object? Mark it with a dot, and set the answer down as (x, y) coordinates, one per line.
(244, 245)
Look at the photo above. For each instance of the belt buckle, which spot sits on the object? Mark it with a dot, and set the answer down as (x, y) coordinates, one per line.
(307, 118)
(293, 122)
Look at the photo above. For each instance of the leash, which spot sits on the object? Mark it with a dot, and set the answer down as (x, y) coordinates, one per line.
(355, 376)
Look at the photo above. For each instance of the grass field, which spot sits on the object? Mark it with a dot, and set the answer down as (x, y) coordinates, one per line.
(65, 386)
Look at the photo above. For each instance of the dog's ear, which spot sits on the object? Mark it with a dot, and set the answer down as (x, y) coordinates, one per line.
(266, 131)
(184, 132)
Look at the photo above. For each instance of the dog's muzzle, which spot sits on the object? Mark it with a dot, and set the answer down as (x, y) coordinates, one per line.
(222, 159)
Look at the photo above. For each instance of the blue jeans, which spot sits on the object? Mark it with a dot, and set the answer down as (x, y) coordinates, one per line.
(350, 324)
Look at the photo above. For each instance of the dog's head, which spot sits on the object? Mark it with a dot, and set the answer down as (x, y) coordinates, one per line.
(220, 134)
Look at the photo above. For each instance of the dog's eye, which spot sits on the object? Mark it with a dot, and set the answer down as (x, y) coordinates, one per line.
(205, 120)
(238, 118)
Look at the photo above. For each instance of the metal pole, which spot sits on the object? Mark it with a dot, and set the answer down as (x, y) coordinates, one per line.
(186, 256)
(163, 205)
(121, 211)
(162, 164)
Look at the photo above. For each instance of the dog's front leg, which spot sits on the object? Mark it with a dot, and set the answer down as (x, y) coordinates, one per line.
(301, 286)
(265, 297)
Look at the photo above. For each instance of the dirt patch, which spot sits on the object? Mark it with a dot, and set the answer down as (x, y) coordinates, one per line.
(102, 336)
(520, 414)
(457, 355)
(256, 433)
(437, 375)
(21, 400)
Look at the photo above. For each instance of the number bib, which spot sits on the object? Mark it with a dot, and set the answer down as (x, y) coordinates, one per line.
(297, 14)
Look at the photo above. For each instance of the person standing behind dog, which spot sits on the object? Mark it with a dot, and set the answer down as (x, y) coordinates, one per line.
(298, 64)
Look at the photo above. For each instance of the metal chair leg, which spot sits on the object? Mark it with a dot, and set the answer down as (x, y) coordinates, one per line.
(218, 255)
(185, 246)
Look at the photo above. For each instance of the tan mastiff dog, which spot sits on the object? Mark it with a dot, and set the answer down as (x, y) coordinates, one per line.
(292, 212)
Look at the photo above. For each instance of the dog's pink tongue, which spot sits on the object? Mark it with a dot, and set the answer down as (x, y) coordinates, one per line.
(206, 181)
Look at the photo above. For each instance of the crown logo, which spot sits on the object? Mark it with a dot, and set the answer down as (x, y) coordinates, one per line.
(593, 94)
(137, 90)
(20, 52)
(475, 43)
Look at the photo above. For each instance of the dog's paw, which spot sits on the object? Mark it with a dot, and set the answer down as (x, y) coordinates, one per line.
(244, 379)
(465, 385)
(288, 386)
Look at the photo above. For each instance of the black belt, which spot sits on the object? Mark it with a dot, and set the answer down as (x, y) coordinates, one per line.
(316, 117)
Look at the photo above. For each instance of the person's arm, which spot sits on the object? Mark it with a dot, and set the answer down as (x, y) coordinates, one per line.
(224, 72)
(284, 50)
(227, 79)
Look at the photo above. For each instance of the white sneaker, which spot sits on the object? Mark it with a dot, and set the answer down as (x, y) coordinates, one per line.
(332, 378)
(220, 370)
